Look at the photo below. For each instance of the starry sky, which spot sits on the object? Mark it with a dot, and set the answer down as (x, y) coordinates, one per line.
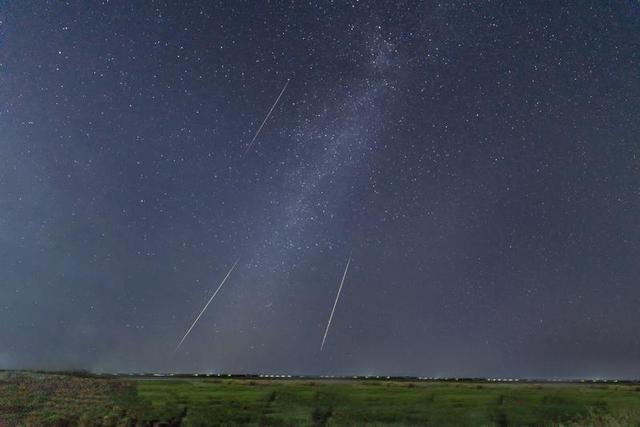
(479, 161)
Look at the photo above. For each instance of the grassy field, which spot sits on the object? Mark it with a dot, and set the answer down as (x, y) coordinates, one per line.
(47, 399)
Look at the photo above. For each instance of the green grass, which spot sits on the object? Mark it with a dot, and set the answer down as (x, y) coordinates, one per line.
(38, 399)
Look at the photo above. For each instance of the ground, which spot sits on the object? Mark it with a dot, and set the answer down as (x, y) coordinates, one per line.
(37, 399)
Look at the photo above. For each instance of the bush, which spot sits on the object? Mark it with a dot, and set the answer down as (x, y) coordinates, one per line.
(320, 416)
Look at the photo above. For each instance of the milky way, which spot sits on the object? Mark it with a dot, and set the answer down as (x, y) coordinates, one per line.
(479, 160)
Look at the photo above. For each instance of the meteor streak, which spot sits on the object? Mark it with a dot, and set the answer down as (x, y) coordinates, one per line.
(335, 303)
(265, 119)
(206, 305)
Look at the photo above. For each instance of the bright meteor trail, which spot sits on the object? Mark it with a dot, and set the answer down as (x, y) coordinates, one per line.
(206, 305)
(335, 303)
(265, 119)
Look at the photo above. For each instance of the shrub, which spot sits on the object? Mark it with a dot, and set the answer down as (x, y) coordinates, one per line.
(320, 416)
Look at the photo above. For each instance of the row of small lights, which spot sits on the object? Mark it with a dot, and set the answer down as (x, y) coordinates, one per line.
(386, 377)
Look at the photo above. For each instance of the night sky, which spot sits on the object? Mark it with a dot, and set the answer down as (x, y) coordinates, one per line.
(479, 161)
